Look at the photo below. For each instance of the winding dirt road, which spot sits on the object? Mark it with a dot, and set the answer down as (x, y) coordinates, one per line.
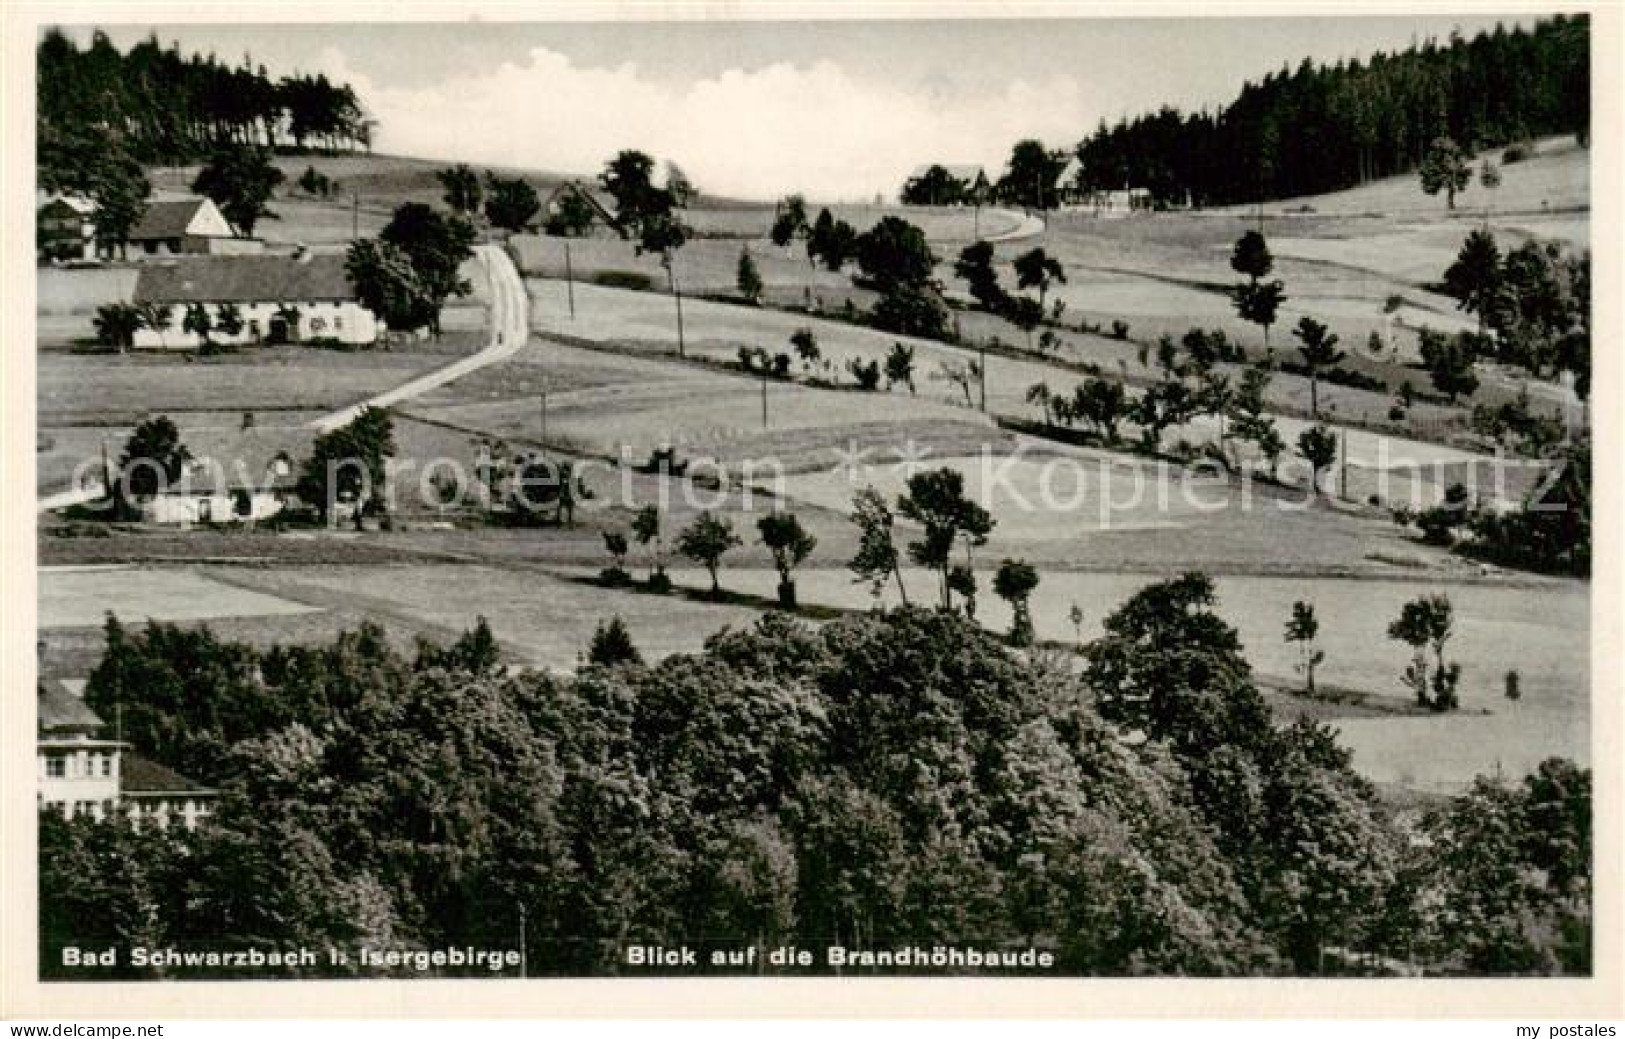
(510, 329)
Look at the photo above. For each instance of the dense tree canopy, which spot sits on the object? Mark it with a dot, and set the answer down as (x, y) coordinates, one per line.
(894, 778)
(159, 105)
(1319, 128)
(241, 182)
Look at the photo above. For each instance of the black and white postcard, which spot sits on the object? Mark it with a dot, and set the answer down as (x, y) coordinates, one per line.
(797, 495)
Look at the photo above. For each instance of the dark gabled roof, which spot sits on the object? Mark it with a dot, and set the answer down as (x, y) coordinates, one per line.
(139, 776)
(81, 206)
(167, 218)
(248, 456)
(312, 277)
(61, 711)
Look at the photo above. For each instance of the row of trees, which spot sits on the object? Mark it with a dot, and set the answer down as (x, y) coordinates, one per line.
(1320, 128)
(894, 778)
(158, 105)
(509, 203)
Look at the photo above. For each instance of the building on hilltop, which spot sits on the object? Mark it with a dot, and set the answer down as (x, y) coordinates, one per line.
(279, 298)
(83, 773)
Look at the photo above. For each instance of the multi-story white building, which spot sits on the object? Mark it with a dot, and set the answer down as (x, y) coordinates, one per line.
(78, 769)
(82, 772)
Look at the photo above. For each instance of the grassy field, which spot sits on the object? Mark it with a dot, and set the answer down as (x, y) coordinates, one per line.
(1098, 524)
(546, 619)
(645, 321)
(88, 400)
(1558, 177)
(80, 389)
(607, 404)
(1538, 629)
(540, 619)
(74, 598)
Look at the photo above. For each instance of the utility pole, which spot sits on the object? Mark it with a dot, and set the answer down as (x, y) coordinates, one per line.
(981, 375)
(764, 396)
(569, 279)
(544, 408)
(524, 953)
(107, 470)
(1343, 444)
(355, 217)
(676, 294)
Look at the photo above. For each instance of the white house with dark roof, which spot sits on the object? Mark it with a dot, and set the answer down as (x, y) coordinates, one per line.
(277, 298)
(82, 773)
(171, 227)
(233, 477)
(153, 795)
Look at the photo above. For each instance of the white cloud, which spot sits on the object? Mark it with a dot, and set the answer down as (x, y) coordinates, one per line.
(755, 133)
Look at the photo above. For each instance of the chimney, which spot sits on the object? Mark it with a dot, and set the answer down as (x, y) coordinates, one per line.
(248, 420)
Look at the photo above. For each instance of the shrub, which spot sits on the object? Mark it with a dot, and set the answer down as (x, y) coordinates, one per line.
(1518, 151)
(867, 375)
(612, 645)
(1338, 377)
(911, 311)
(623, 280)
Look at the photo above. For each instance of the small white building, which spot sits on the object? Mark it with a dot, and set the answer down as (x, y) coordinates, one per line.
(269, 298)
(1124, 202)
(243, 478)
(1069, 187)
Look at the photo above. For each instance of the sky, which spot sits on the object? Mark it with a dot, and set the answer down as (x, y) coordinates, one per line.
(839, 110)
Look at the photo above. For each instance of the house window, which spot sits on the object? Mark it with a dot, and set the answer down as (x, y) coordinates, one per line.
(338, 324)
(56, 768)
(318, 324)
(107, 764)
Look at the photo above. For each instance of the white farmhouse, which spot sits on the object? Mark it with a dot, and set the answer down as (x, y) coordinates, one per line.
(280, 298)
(240, 478)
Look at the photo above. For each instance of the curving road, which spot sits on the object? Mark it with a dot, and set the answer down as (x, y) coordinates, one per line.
(1027, 226)
(510, 329)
